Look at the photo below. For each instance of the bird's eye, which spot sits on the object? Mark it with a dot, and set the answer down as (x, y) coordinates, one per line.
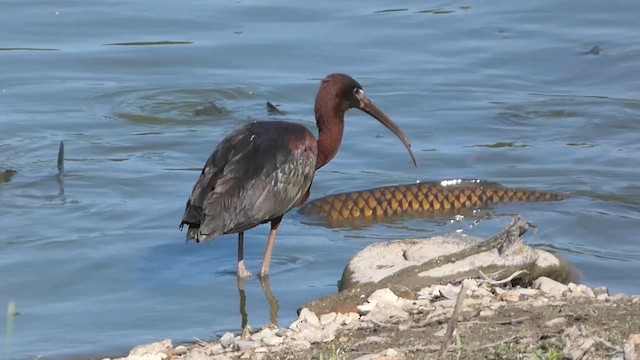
(357, 92)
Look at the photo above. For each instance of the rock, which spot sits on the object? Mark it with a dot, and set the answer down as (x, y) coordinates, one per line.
(559, 321)
(527, 292)
(577, 343)
(600, 290)
(180, 349)
(448, 291)
(632, 347)
(382, 295)
(602, 297)
(272, 340)
(264, 333)
(385, 311)
(581, 291)
(392, 353)
(510, 296)
(487, 313)
(196, 354)
(227, 339)
(242, 345)
(327, 318)
(298, 345)
(550, 286)
(154, 351)
(365, 308)
(306, 320)
(347, 318)
(436, 260)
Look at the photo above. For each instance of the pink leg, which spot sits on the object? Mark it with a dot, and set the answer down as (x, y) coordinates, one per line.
(270, 244)
(242, 271)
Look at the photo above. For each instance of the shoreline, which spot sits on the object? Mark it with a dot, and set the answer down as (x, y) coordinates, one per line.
(499, 321)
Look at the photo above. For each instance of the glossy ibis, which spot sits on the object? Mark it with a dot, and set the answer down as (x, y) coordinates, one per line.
(264, 169)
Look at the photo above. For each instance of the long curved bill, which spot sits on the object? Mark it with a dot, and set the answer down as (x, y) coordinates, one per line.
(367, 106)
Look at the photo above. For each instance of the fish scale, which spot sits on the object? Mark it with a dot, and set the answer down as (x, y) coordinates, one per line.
(412, 199)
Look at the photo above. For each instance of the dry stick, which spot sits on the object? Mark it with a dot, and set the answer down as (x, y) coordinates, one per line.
(506, 280)
(454, 319)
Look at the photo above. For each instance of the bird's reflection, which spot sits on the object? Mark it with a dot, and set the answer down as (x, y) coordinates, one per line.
(271, 299)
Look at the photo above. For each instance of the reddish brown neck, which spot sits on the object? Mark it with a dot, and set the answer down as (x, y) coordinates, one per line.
(330, 121)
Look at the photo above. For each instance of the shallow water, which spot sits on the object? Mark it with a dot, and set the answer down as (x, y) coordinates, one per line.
(506, 91)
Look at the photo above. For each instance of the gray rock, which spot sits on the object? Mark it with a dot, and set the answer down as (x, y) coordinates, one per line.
(227, 339)
(550, 286)
(600, 290)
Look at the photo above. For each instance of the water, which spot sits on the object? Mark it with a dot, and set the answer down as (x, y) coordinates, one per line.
(505, 91)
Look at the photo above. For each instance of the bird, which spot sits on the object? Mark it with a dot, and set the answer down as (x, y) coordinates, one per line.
(264, 169)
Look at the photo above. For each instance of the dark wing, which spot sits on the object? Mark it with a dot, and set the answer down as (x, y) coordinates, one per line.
(257, 173)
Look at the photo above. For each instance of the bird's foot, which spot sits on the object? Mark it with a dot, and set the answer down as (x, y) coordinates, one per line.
(242, 270)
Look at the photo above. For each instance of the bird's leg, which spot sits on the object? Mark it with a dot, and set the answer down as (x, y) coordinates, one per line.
(270, 244)
(242, 271)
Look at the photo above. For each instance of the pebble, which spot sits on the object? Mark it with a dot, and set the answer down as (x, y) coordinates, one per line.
(180, 349)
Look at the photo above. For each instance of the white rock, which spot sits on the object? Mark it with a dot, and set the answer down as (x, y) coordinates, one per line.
(345, 319)
(298, 345)
(391, 352)
(227, 339)
(180, 349)
(381, 295)
(487, 313)
(307, 320)
(327, 318)
(264, 333)
(161, 347)
(365, 308)
(573, 287)
(448, 291)
(602, 297)
(272, 340)
(550, 286)
(384, 311)
(527, 292)
(242, 345)
(196, 354)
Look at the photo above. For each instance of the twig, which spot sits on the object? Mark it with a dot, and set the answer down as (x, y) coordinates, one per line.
(454, 319)
(506, 280)
(512, 321)
(486, 346)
